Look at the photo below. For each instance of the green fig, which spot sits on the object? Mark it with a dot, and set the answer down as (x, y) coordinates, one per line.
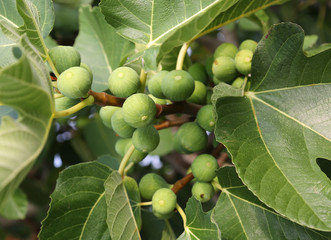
(205, 118)
(64, 57)
(203, 191)
(150, 183)
(204, 167)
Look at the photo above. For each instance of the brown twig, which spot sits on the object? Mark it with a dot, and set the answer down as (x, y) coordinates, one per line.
(171, 123)
(177, 107)
(182, 182)
(105, 99)
(216, 151)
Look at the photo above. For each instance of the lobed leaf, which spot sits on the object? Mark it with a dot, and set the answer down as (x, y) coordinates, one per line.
(281, 126)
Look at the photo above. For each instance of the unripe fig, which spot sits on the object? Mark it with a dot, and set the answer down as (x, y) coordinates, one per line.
(198, 72)
(226, 49)
(150, 183)
(74, 82)
(158, 100)
(120, 126)
(177, 85)
(209, 64)
(203, 191)
(146, 139)
(238, 82)
(106, 114)
(123, 82)
(216, 80)
(121, 145)
(154, 84)
(248, 45)
(137, 155)
(205, 118)
(139, 110)
(83, 65)
(199, 94)
(243, 61)
(208, 95)
(204, 167)
(191, 137)
(63, 103)
(163, 202)
(224, 69)
(64, 57)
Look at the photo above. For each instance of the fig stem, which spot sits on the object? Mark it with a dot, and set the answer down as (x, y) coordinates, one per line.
(216, 151)
(181, 56)
(127, 168)
(143, 77)
(217, 185)
(58, 95)
(182, 182)
(125, 160)
(105, 99)
(51, 64)
(182, 214)
(144, 203)
(177, 107)
(170, 123)
(244, 85)
(86, 102)
(54, 84)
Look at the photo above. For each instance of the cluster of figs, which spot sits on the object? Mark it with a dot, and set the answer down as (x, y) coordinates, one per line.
(135, 121)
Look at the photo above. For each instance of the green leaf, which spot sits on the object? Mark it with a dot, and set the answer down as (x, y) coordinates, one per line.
(152, 227)
(168, 233)
(120, 216)
(16, 206)
(78, 208)
(6, 50)
(100, 46)
(24, 86)
(199, 224)
(8, 111)
(240, 215)
(278, 130)
(109, 161)
(309, 42)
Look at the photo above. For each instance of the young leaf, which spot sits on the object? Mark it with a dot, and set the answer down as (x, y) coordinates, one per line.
(240, 215)
(78, 208)
(278, 130)
(16, 206)
(199, 224)
(106, 49)
(120, 216)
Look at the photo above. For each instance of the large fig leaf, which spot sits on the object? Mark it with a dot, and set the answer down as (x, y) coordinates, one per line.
(240, 215)
(278, 129)
(78, 208)
(106, 49)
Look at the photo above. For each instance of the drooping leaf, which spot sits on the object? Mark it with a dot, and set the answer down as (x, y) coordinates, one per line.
(199, 224)
(168, 232)
(16, 206)
(78, 208)
(109, 161)
(100, 46)
(281, 126)
(120, 216)
(240, 215)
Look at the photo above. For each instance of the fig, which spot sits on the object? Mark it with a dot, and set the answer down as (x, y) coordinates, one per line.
(137, 155)
(199, 94)
(83, 65)
(209, 64)
(63, 103)
(226, 49)
(248, 45)
(198, 72)
(121, 146)
(208, 95)
(120, 126)
(123, 82)
(74, 82)
(204, 167)
(64, 57)
(150, 183)
(191, 137)
(238, 82)
(146, 139)
(243, 61)
(163, 202)
(224, 69)
(205, 118)
(158, 100)
(139, 110)
(106, 114)
(177, 85)
(203, 191)
(154, 84)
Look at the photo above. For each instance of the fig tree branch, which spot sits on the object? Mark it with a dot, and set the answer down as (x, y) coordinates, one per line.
(182, 182)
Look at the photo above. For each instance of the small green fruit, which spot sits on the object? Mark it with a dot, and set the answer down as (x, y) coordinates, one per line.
(209, 64)
(106, 114)
(205, 118)
(208, 95)
(224, 69)
(83, 65)
(243, 61)
(198, 72)
(120, 126)
(199, 94)
(163, 202)
(121, 145)
(177, 85)
(226, 49)
(64, 57)
(137, 155)
(203, 191)
(146, 139)
(158, 100)
(238, 82)
(74, 82)
(139, 110)
(123, 82)
(204, 167)
(150, 183)
(154, 84)
(191, 137)
(248, 45)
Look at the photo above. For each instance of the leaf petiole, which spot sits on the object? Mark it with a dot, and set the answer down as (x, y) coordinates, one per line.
(125, 160)
(144, 203)
(181, 56)
(182, 214)
(86, 102)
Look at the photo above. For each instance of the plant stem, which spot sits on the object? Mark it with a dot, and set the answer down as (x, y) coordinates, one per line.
(127, 168)
(171, 123)
(182, 214)
(76, 108)
(105, 99)
(177, 107)
(58, 95)
(143, 77)
(182, 182)
(144, 203)
(51, 64)
(54, 84)
(244, 85)
(125, 160)
(181, 55)
(216, 151)
(217, 185)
